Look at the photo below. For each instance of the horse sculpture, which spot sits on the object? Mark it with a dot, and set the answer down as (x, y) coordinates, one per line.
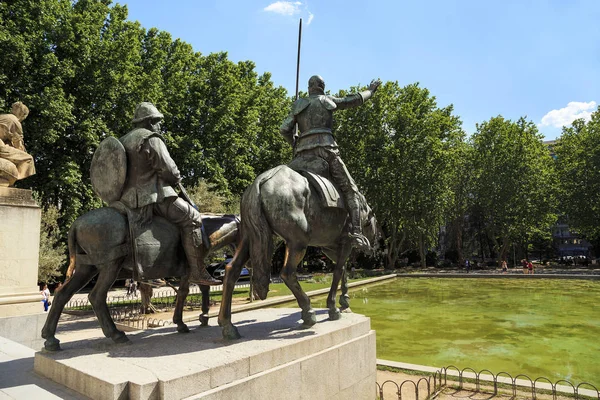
(282, 201)
(99, 245)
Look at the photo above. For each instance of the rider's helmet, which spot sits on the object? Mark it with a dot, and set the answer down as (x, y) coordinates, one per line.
(145, 111)
(316, 84)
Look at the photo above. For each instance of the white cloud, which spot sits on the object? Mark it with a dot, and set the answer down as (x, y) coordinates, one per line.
(565, 116)
(310, 18)
(284, 7)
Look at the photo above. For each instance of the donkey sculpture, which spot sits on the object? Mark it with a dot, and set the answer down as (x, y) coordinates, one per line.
(99, 245)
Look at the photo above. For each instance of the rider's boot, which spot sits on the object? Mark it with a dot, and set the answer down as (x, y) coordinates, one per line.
(198, 272)
(358, 239)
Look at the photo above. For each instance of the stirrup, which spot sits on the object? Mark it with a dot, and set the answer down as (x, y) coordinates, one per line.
(360, 241)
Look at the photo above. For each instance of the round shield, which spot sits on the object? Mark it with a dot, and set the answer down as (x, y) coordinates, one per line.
(109, 169)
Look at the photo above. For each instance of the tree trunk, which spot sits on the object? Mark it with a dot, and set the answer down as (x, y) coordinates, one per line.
(391, 252)
(457, 229)
(422, 251)
(394, 246)
(502, 251)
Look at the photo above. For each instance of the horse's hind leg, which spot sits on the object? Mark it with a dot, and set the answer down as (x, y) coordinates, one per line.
(293, 257)
(182, 292)
(83, 274)
(108, 275)
(232, 273)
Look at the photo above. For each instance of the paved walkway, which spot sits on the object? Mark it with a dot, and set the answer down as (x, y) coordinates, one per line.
(18, 381)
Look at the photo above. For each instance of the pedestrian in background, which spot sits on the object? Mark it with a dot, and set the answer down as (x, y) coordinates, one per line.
(45, 292)
(525, 266)
(530, 268)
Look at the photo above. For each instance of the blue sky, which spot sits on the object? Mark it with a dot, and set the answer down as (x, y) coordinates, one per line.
(534, 58)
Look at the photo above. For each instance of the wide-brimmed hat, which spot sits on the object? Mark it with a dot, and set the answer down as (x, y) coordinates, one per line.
(145, 111)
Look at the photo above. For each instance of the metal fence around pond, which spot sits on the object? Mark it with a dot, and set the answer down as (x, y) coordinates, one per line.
(160, 299)
(485, 382)
(163, 298)
(128, 309)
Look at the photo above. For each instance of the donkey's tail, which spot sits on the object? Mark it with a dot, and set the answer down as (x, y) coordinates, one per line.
(72, 250)
(256, 230)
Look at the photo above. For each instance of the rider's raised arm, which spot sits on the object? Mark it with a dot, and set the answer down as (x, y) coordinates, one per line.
(356, 99)
(161, 160)
(352, 100)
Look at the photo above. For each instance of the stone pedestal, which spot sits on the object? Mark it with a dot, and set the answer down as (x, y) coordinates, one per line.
(19, 252)
(275, 359)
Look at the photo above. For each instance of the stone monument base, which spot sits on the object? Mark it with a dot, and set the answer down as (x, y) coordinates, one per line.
(275, 359)
(21, 309)
(24, 329)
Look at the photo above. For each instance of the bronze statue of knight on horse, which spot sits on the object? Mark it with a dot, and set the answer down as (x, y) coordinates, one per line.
(300, 203)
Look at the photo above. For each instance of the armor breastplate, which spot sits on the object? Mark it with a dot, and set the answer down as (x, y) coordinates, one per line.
(315, 121)
(316, 117)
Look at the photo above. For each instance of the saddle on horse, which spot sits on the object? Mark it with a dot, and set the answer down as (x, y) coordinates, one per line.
(316, 171)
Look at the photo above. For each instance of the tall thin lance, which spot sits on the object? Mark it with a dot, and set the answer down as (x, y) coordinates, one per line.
(295, 135)
(298, 59)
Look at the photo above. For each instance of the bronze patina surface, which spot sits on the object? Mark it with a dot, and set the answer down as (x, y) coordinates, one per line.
(314, 117)
(303, 210)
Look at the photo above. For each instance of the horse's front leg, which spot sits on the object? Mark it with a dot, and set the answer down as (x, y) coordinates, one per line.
(182, 293)
(344, 297)
(343, 252)
(232, 273)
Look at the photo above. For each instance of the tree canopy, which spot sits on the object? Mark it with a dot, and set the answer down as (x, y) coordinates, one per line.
(514, 187)
(578, 164)
(403, 148)
(81, 67)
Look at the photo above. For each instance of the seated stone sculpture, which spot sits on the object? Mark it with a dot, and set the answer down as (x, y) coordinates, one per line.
(15, 163)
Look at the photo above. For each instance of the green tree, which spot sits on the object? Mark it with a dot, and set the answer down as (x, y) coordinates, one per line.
(578, 165)
(210, 200)
(81, 67)
(514, 182)
(461, 183)
(402, 150)
(52, 251)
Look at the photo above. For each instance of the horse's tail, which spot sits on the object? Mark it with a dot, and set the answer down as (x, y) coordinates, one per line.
(258, 234)
(72, 250)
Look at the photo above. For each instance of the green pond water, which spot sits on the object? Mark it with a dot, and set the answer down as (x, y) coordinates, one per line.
(541, 327)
